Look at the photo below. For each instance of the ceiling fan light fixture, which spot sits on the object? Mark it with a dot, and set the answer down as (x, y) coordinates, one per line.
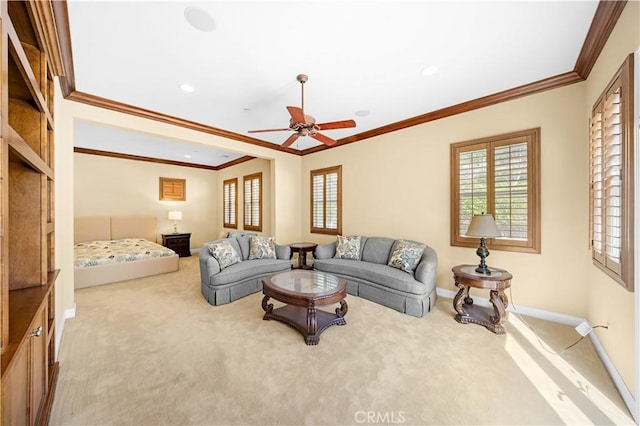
(199, 19)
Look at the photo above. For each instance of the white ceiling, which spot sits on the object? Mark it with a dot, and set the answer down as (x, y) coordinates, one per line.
(360, 56)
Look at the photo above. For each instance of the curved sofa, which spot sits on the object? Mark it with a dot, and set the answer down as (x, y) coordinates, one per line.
(371, 277)
(220, 286)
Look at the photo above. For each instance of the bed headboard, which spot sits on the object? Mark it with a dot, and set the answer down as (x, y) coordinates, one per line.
(91, 228)
(133, 227)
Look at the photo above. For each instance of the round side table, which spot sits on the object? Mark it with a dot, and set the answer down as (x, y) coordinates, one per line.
(465, 277)
(302, 249)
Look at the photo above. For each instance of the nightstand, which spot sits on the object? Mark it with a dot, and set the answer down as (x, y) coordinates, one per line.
(180, 243)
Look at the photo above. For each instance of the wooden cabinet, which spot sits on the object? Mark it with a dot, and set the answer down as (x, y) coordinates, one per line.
(180, 243)
(30, 60)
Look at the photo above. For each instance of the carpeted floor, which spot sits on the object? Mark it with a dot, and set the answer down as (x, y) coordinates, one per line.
(152, 351)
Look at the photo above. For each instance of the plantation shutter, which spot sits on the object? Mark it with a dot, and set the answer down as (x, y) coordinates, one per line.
(230, 203)
(499, 175)
(318, 201)
(252, 202)
(612, 171)
(473, 186)
(511, 185)
(325, 201)
(597, 194)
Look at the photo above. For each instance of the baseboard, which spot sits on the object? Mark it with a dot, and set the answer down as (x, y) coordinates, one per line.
(573, 321)
(68, 313)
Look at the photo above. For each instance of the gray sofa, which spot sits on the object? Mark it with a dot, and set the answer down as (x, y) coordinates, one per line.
(220, 286)
(371, 278)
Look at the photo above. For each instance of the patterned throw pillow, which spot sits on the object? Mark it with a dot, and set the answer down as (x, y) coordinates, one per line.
(262, 248)
(224, 253)
(348, 248)
(406, 255)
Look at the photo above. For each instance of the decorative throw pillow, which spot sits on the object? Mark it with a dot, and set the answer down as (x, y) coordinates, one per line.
(406, 255)
(262, 248)
(348, 248)
(224, 253)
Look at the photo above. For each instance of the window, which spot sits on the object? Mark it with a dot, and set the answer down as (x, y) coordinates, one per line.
(326, 201)
(498, 175)
(611, 178)
(253, 202)
(230, 203)
(173, 189)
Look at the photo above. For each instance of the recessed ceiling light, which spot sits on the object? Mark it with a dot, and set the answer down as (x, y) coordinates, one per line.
(224, 156)
(187, 156)
(199, 19)
(187, 88)
(362, 113)
(430, 70)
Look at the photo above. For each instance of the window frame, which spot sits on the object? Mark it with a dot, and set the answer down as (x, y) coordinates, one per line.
(324, 172)
(532, 137)
(233, 221)
(251, 226)
(623, 271)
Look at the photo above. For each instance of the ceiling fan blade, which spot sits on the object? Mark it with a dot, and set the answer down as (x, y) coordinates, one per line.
(291, 139)
(297, 114)
(324, 139)
(336, 125)
(267, 130)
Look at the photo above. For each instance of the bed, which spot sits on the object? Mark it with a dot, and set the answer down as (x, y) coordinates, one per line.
(109, 249)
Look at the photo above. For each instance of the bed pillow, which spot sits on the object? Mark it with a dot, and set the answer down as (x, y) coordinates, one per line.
(262, 248)
(406, 255)
(224, 253)
(348, 248)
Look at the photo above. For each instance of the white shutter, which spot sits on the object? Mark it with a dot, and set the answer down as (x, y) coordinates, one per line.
(596, 186)
(511, 200)
(612, 180)
(472, 180)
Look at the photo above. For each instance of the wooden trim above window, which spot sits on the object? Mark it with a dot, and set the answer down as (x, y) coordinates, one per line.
(172, 189)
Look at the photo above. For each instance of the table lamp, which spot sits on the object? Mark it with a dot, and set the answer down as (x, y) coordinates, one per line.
(483, 226)
(175, 215)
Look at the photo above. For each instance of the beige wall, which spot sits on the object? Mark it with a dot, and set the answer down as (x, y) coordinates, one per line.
(119, 187)
(397, 185)
(608, 302)
(284, 174)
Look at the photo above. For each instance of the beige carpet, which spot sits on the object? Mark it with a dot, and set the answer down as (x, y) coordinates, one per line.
(153, 352)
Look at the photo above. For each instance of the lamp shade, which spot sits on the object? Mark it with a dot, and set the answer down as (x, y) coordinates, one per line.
(175, 215)
(483, 225)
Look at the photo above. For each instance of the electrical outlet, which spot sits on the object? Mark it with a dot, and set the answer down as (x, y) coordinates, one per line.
(584, 328)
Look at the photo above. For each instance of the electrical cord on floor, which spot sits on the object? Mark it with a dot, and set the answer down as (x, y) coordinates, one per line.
(582, 338)
(542, 344)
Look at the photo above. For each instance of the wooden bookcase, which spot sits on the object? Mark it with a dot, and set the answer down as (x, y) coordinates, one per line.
(30, 50)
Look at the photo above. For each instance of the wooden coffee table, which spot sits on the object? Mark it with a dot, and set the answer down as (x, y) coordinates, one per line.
(303, 291)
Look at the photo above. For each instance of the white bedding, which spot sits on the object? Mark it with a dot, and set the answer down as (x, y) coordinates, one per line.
(92, 253)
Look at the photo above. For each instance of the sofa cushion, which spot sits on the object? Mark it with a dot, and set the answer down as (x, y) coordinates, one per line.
(245, 270)
(348, 248)
(244, 243)
(262, 248)
(382, 275)
(224, 252)
(377, 249)
(406, 255)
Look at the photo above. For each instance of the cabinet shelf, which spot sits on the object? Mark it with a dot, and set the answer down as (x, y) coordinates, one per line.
(23, 306)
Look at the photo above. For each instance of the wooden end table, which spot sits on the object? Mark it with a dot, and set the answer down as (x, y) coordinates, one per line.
(302, 249)
(303, 291)
(465, 277)
(178, 242)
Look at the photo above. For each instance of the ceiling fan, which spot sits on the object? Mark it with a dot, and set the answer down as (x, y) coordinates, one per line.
(305, 125)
